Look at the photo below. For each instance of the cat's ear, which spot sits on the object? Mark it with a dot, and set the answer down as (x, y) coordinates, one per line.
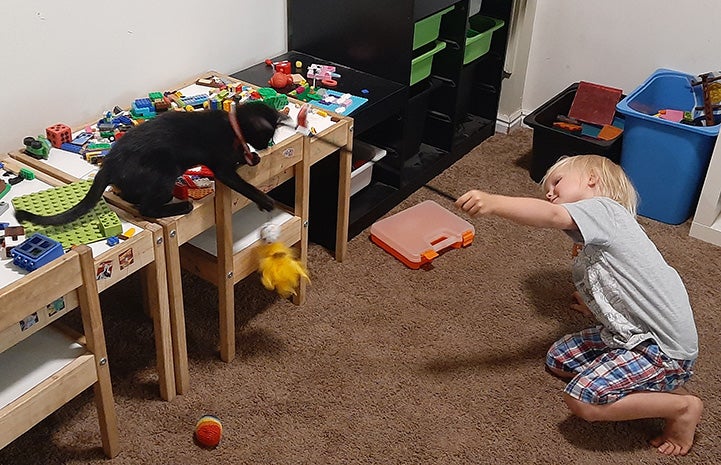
(283, 120)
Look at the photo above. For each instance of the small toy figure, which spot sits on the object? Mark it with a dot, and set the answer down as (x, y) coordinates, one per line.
(37, 148)
(280, 80)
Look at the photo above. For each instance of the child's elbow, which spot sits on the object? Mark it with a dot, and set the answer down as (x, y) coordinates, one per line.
(561, 219)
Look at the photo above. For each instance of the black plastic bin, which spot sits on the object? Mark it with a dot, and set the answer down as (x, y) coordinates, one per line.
(551, 143)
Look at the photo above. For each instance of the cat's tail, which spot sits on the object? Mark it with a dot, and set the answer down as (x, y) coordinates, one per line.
(87, 203)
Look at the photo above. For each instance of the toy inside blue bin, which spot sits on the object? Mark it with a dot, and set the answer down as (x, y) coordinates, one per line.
(666, 160)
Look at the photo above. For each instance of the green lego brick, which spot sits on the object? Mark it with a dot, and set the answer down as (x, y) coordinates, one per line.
(26, 174)
(100, 223)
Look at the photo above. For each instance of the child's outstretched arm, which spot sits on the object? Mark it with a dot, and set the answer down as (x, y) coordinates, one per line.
(522, 210)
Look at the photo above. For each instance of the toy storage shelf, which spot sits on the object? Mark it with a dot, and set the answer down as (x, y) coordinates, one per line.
(706, 224)
(424, 127)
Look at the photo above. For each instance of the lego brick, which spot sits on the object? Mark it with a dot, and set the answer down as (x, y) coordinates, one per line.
(36, 251)
(195, 101)
(71, 147)
(100, 223)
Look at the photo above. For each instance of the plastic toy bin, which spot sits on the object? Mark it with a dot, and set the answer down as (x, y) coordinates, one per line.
(422, 64)
(665, 160)
(419, 234)
(479, 35)
(551, 143)
(426, 30)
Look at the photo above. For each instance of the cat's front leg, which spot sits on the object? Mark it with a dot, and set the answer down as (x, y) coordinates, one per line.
(243, 187)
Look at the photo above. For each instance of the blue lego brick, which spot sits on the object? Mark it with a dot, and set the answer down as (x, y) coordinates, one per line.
(81, 138)
(36, 251)
(71, 147)
(142, 108)
(122, 120)
(195, 101)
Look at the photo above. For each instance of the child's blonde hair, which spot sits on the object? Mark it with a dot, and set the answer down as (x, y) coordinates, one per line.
(612, 180)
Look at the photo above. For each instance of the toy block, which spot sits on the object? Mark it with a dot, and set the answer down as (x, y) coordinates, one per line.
(26, 174)
(195, 101)
(4, 188)
(14, 231)
(35, 252)
(142, 108)
(59, 133)
(82, 138)
(14, 236)
(70, 147)
(100, 223)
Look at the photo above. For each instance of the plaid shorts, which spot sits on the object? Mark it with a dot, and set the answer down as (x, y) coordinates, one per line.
(604, 374)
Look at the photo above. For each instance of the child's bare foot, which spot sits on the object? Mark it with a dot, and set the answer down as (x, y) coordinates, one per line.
(677, 436)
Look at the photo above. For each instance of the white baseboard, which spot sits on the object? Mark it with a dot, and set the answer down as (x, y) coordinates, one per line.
(505, 123)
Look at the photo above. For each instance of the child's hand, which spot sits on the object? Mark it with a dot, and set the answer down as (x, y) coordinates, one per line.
(472, 202)
(580, 306)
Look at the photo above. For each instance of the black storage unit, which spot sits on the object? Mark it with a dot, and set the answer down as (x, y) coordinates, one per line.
(428, 126)
(550, 143)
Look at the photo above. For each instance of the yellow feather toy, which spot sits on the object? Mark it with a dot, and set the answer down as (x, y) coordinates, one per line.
(279, 268)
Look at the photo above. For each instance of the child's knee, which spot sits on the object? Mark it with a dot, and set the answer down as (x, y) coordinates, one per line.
(583, 410)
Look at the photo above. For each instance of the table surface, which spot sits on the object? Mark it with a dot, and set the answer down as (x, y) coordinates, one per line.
(385, 98)
(9, 272)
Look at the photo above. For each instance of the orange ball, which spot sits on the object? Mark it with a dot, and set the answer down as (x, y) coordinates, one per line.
(208, 431)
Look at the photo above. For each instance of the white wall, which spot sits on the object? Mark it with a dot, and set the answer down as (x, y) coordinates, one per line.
(618, 43)
(67, 62)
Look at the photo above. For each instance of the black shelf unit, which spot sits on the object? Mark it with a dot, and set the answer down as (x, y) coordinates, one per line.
(425, 127)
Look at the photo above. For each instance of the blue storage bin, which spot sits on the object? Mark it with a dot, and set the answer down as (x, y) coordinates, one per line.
(665, 160)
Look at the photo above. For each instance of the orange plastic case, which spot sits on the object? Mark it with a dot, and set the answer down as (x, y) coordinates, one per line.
(419, 234)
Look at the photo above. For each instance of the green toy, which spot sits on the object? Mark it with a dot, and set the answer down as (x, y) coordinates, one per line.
(100, 223)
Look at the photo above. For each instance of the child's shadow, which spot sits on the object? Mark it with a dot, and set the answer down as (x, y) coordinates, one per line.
(610, 436)
(550, 294)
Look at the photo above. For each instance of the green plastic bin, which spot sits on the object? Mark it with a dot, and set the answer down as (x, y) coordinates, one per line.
(479, 35)
(426, 30)
(422, 64)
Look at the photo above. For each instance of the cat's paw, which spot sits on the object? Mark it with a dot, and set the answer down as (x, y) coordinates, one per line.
(266, 203)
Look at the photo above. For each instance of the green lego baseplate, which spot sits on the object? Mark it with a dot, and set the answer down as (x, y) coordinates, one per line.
(100, 223)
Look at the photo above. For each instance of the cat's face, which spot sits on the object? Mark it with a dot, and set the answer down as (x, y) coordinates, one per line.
(258, 122)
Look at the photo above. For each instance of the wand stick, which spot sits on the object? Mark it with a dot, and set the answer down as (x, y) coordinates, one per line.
(440, 192)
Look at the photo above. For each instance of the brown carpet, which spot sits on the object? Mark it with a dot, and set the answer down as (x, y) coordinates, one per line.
(388, 365)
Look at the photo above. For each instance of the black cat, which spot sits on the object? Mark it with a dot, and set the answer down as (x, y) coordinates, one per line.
(144, 164)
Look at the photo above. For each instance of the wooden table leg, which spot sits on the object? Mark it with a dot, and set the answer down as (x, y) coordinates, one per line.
(301, 209)
(226, 281)
(341, 238)
(157, 293)
(175, 299)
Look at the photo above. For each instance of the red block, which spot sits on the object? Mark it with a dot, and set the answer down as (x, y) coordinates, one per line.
(58, 134)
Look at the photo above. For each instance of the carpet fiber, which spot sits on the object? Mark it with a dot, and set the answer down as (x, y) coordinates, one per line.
(388, 365)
